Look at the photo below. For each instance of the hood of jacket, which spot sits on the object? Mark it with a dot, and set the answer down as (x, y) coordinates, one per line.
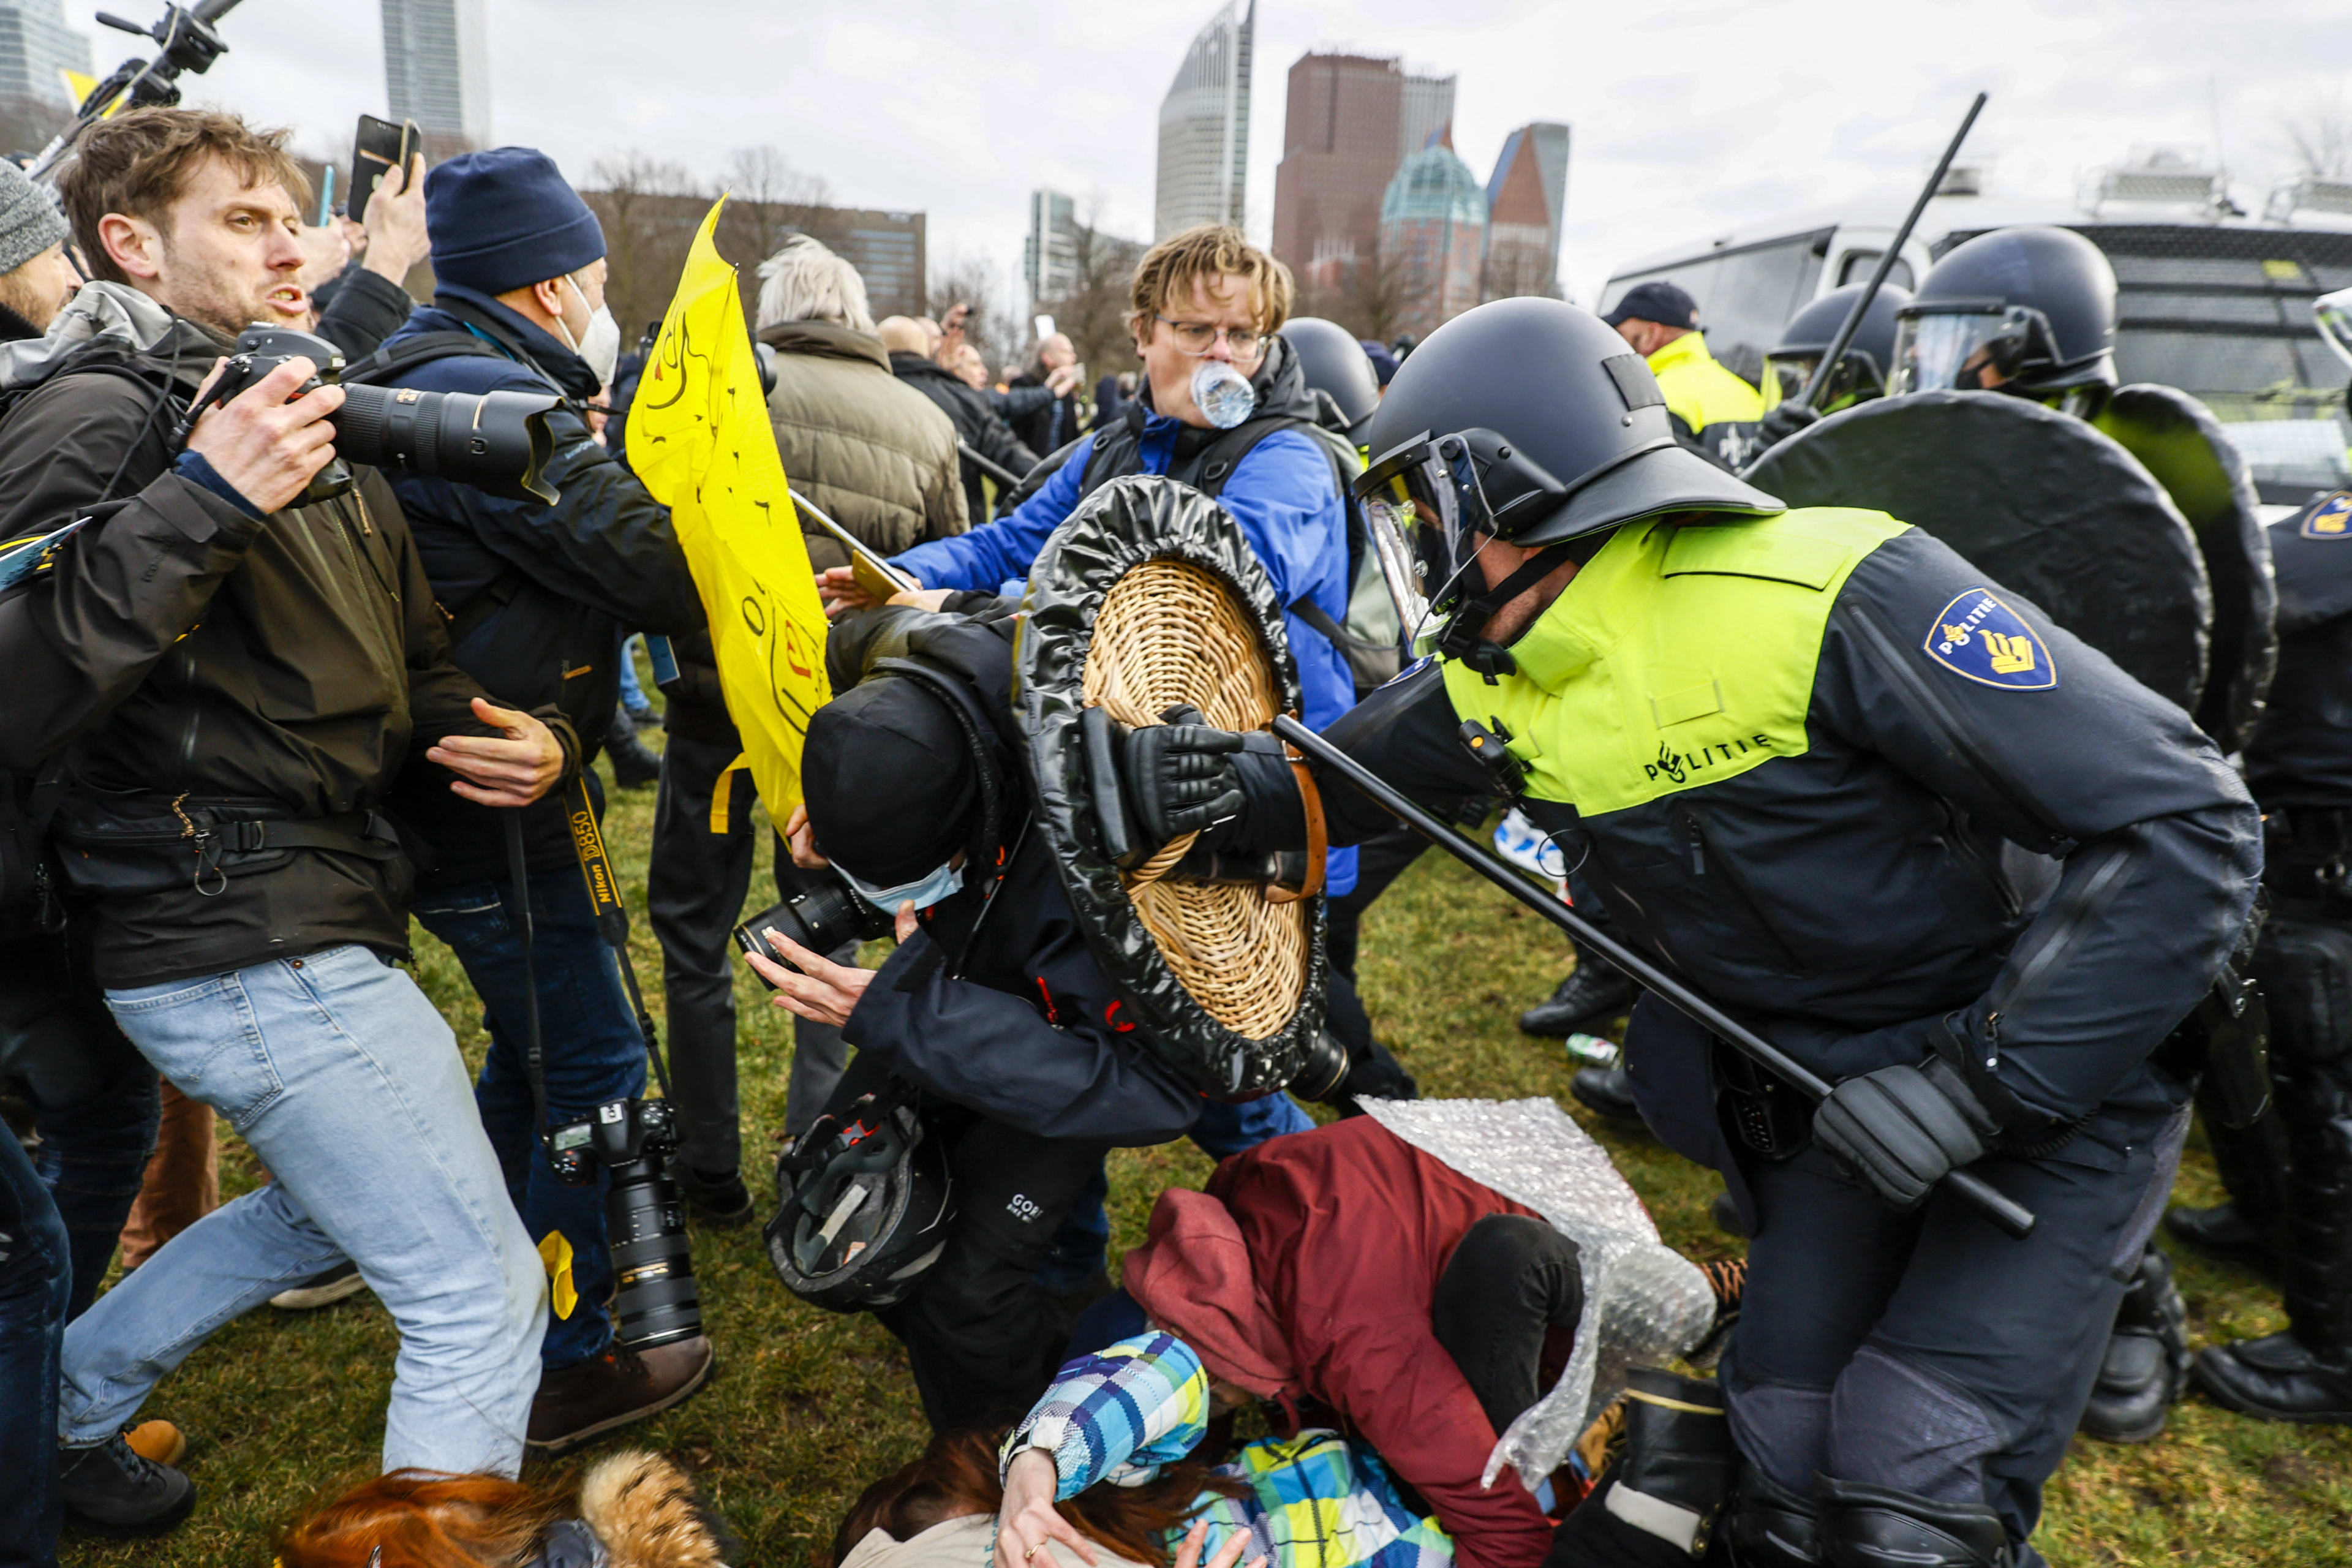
(469, 309)
(827, 338)
(1193, 1276)
(113, 313)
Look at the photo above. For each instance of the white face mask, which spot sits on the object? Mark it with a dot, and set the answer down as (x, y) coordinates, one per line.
(939, 886)
(599, 347)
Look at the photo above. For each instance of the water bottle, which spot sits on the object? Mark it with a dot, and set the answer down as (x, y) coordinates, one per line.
(1222, 394)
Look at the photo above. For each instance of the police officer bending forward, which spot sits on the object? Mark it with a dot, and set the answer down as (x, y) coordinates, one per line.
(1792, 744)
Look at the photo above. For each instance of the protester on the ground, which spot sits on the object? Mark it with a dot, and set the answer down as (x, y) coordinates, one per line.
(1055, 373)
(628, 1510)
(314, 664)
(538, 597)
(878, 459)
(976, 423)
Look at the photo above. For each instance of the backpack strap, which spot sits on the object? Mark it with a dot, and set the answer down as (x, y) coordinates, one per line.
(389, 363)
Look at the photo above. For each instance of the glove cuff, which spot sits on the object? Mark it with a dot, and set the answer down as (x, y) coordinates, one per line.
(1948, 1082)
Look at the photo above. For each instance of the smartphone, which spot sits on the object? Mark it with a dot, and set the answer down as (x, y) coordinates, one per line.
(380, 145)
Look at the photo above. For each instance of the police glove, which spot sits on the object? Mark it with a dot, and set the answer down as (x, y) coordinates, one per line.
(1783, 420)
(1177, 777)
(1904, 1127)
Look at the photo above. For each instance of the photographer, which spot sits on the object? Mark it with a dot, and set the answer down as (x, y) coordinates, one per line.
(993, 1004)
(538, 596)
(235, 709)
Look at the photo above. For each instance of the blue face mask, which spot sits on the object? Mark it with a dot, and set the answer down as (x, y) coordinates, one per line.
(923, 892)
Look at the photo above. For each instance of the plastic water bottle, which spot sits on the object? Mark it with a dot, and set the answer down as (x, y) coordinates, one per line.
(1222, 394)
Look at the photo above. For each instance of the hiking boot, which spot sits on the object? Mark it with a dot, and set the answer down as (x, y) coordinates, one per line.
(2223, 1232)
(722, 1200)
(109, 1489)
(157, 1442)
(576, 1404)
(635, 763)
(1594, 993)
(323, 1289)
(1727, 1278)
(1609, 1091)
(2278, 1378)
(2146, 1365)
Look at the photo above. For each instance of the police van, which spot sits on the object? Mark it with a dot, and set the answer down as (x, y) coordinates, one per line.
(2211, 301)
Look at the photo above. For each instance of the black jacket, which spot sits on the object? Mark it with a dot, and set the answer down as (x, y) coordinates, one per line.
(1041, 420)
(541, 594)
(315, 664)
(976, 422)
(359, 308)
(2301, 752)
(1007, 1013)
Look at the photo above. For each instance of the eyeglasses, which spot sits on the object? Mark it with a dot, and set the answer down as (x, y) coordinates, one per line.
(1197, 338)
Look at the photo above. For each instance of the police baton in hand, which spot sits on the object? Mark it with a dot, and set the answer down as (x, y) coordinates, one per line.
(1974, 1190)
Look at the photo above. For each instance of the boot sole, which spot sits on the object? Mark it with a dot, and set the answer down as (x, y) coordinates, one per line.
(310, 1300)
(2229, 1398)
(82, 1524)
(556, 1447)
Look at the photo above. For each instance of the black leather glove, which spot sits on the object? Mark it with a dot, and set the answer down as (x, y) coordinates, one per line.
(1178, 777)
(1903, 1127)
(1784, 419)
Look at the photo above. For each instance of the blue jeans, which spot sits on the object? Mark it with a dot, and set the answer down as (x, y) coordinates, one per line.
(592, 1052)
(34, 1276)
(93, 1099)
(1082, 1244)
(347, 1084)
(633, 695)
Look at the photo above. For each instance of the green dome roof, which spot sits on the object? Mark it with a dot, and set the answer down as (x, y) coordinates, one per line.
(1435, 184)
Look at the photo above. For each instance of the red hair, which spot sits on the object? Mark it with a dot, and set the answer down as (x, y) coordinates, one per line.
(424, 1518)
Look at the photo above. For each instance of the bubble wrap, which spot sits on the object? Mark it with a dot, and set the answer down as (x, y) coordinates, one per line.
(1643, 1301)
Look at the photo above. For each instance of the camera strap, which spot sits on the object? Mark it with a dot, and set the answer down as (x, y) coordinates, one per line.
(519, 910)
(613, 918)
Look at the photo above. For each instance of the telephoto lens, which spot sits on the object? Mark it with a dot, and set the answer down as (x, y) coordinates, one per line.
(656, 1301)
(819, 920)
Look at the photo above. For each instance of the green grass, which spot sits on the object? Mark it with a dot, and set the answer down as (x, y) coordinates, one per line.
(808, 1406)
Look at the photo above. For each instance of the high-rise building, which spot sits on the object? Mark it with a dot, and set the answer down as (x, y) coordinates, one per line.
(1427, 110)
(1339, 141)
(34, 42)
(1432, 237)
(1525, 200)
(436, 68)
(886, 248)
(1049, 258)
(1205, 127)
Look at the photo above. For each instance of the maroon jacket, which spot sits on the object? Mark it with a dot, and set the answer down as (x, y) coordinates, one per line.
(1306, 1272)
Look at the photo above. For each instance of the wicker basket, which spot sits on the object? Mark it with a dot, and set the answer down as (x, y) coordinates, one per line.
(1169, 632)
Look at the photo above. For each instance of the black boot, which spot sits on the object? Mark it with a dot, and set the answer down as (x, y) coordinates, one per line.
(2146, 1360)
(1594, 993)
(2222, 1231)
(1770, 1526)
(634, 764)
(1879, 1527)
(1658, 1503)
(1609, 1091)
(110, 1490)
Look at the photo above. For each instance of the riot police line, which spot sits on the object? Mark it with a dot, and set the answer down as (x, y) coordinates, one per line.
(1912, 770)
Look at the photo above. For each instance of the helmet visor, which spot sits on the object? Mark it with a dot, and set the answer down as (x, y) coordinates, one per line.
(2334, 314)
(1849, 382)
(1412, 495)
(1971, 348)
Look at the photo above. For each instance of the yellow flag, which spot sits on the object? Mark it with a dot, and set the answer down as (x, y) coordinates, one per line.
(699, 438)
(81, 85)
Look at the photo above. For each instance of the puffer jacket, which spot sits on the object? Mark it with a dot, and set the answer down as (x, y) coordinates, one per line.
(978, 424)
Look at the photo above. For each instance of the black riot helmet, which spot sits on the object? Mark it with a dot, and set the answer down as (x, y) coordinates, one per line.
(1531, 421)
(1335, 365)
(2036, 306)
(1862, 371)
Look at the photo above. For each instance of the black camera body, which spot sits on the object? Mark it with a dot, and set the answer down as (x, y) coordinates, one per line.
(632, 1140)
(820, 919)
(494, 441)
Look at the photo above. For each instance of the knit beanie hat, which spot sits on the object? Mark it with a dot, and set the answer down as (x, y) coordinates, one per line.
(889, 779)
(505, 219)
(30, 220)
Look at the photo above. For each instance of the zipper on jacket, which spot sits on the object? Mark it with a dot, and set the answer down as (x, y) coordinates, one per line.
(2053, 936)
(1695, 844)
(1973, 857)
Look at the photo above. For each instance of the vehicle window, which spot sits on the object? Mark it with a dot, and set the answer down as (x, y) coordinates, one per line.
(1855, 268)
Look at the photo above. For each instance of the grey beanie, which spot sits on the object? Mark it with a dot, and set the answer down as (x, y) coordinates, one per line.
(30, 220)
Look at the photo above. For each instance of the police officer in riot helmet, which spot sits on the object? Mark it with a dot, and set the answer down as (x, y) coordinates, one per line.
(1339, 371)
(2029, 311)
(1860, 373)
(1789, 745)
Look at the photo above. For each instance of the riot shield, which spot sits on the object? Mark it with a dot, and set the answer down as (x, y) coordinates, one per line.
(2048, 506)
(1146, 596)
(2178, 440)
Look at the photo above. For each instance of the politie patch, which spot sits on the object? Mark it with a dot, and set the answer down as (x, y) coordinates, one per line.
(2331, 518)
(1978, 636)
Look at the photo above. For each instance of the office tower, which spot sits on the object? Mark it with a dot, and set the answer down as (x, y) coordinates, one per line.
(887, 247)
(1525, 200)
(436, 64)
(1205, 127)
(1427, 111)
(1433, 235)
(1049, 257)
(1339, 141)
(34, 42)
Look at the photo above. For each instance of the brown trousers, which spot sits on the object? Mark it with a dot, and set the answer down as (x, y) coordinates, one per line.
(182, 1181)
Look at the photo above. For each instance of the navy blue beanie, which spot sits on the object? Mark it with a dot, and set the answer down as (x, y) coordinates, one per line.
(505, 219)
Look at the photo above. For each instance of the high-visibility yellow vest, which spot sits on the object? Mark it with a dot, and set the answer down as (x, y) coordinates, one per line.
(1698, 390)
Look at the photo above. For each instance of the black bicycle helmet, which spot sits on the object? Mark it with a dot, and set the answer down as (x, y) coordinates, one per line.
(868, 1206)
(1862, 371)
(2029, 310)
(1336, 364)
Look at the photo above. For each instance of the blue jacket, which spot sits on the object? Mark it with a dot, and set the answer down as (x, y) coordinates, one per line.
(1283, 497)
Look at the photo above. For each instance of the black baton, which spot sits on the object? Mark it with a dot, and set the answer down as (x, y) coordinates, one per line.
(1975, 1191)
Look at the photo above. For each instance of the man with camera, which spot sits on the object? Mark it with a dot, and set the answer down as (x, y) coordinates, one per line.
(538, 596)
(992, 1006)
(220, 827)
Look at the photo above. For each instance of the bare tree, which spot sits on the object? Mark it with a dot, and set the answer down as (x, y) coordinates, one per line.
(768, 200)
(1092, 312)
(650, 210)
(1372, 296)
(2321, 141)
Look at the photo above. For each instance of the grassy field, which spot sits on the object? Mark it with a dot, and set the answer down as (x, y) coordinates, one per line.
(808, 1406)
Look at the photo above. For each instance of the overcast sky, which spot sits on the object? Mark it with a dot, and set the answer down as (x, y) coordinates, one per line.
(1689, 118)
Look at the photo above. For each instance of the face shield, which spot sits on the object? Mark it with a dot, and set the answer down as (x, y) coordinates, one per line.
(2334, 314)
(1786, 377)
(1969, 345)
